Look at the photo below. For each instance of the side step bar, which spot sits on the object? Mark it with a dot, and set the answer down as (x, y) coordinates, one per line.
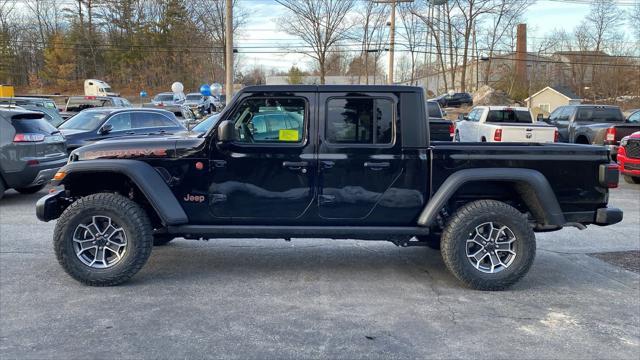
(287, 232)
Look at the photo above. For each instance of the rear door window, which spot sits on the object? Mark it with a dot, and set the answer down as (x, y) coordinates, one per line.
(359, 121)
(150, 120)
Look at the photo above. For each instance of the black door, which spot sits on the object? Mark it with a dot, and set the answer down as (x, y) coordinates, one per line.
(359, 157)
(267, 173)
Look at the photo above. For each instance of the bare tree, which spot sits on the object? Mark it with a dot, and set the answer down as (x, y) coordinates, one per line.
(470, 10)
(634, 20)
(373, 18)
(321, 24)
(412, 32)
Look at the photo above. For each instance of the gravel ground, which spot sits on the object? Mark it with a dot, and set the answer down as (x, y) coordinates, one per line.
(317, 298)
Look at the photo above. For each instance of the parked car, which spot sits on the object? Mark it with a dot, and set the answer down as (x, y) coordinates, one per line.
(592, 124)
(31, 151)
(503, 124)
(200, 104)
(206, 124)
(167, 101)
(75, 104)
(359, 168)
(44, 105)
(455, 100)
(440, 129)
(632, 116)
(97, 124)
(629, 158)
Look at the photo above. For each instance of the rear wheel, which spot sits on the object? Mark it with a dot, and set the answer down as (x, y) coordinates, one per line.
(31, 189)
(488, 245)
(103, 239)
(632, 179)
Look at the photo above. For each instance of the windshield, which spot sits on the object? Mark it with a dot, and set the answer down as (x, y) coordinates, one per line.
(509, 116)
(107, 89)
(163, 97)
(599, 114)
(207, 123)
(86, 120)
(434, 109)
(194, 97)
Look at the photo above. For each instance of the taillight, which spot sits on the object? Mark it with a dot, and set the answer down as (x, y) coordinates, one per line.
(497, 136)
(28, 137)
(611, 135)
(609, 175)
(452, 129)
(556, 136)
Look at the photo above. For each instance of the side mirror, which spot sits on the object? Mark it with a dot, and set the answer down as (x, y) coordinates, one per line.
(105, 129)
(464, 116)
(226, 131)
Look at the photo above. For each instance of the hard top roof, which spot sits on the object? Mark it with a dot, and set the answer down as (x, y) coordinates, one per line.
(331, 88)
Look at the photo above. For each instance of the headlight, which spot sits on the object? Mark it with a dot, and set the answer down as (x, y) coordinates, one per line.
(624, 141)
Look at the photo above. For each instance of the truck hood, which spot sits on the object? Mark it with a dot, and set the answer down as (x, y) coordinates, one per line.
(142, 147)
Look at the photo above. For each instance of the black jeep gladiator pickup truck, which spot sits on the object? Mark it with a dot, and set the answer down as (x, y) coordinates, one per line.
(343, 162)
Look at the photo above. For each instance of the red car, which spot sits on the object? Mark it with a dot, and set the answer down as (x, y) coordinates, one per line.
(629, 158)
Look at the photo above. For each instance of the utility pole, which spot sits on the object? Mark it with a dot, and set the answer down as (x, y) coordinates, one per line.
(228, 23)
(392, 41)
(392, 33)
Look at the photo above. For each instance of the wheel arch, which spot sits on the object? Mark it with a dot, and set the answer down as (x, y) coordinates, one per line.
(86, 177)
(531, 186)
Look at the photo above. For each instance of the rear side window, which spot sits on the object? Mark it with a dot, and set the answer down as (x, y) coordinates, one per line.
(150, 120)
(599, 114)
(509, 116)
(359, 121)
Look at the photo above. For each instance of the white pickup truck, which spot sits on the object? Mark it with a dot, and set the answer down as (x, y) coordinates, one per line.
(503, 124)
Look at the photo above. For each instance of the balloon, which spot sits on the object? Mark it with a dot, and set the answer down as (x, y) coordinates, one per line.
(205, 90)
(216, 89)
(177, 87)
(143, 93)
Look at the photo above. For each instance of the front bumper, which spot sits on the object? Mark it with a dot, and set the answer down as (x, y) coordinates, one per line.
(608, 216)
(628, 166)
(50, 206)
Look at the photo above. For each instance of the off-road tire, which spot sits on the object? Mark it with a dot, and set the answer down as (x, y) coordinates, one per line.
(30, 190)
(431, 241)
(632, 179)
(464, 221)
(129, 215)
(162, 240)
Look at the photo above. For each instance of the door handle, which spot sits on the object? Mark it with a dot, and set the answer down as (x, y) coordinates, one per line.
(130, 133)
(295, 165)
(327, 164)
(376, 165)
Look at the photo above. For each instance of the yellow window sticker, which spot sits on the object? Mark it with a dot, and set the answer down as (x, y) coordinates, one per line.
(288, 135)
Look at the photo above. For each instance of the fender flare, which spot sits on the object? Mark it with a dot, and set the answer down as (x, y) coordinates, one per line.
(543, 195)
(148, 180)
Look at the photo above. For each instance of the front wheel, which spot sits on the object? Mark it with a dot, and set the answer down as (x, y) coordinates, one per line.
(488, 245)
(632, 179)
(103, 239)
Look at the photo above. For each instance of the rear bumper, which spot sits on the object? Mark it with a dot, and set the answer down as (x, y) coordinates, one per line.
(34, 175)
(608, 216)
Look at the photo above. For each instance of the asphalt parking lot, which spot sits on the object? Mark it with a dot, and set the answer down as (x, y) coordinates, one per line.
(316, 298)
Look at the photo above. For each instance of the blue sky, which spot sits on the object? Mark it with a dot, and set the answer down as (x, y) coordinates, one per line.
(261, 29)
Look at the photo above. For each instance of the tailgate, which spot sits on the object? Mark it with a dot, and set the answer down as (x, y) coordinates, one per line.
(529, 133)
(625, 130)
